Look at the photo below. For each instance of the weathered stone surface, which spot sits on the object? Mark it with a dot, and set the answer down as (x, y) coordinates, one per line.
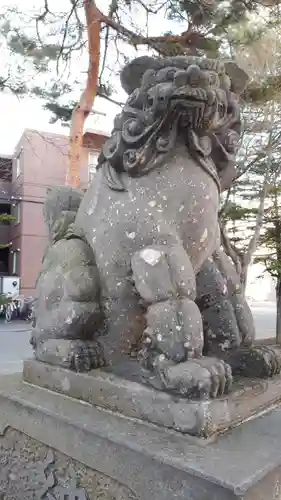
(174, 326)
(227, 319)
(221, 331)
(77, 355)
(67, 288)
(120, 458)
(31, 470)
(244, 317)
(153, 278)
(202, 418)
(119, 279)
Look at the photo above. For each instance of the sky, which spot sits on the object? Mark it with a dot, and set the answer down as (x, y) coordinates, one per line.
(19, 114)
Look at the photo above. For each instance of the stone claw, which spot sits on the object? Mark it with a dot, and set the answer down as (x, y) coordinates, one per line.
(260, 362)
(220, 374)
(197, 378)
(87, 356)
(76, 355)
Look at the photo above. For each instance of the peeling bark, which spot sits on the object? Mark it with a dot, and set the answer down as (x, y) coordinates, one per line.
(85, 104)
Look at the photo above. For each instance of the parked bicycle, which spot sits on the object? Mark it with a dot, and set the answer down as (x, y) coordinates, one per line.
(19, 308)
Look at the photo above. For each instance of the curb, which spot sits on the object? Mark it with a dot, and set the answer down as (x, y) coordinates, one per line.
(15, 330)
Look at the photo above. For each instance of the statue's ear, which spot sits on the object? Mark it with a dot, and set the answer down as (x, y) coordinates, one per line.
(239, 78)
(131, 75)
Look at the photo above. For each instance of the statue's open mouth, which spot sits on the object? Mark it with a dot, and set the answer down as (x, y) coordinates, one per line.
(193, 96)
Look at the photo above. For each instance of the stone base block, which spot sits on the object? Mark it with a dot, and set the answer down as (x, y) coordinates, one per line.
(249, 398)
(54, 447)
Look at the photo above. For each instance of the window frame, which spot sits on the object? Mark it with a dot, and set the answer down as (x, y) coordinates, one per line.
(15, 263)
(93, 154)
(16, 212)
(18, 165)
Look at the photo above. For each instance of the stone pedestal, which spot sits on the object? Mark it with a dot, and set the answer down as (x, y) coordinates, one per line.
(55, 447)
(248, 398)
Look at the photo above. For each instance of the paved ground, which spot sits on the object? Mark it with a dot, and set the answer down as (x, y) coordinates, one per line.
(14, 345)
(14, 337)
(265, 317)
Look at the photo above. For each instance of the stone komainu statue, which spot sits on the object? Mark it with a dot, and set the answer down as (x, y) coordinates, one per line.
(119, 278)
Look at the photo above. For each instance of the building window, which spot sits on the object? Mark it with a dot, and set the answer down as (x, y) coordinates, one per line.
(17, 213)
(18, 166)
(15, 262)
(92, 164)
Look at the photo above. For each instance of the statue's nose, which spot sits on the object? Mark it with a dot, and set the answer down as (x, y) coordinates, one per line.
(193, 77)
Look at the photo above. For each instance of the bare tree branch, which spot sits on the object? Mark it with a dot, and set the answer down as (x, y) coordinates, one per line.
(252, 246)
(223, 207)
(230, 250)
(109, 99)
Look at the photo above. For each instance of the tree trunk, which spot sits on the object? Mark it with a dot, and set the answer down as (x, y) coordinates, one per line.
(243, 278)
(84, 107)
(278, 310)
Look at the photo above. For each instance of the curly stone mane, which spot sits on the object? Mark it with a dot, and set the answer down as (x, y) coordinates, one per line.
(180, 100)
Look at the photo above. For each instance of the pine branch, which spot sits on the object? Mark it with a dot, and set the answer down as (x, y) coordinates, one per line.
(187, 38)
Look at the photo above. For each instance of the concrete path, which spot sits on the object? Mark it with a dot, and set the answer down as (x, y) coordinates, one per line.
(14, 345)
(265, 318)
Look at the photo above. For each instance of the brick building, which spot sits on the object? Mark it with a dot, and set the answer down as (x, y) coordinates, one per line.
(40, 161)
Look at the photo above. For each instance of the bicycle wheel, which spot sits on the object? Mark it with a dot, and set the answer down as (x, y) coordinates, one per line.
(8, 313)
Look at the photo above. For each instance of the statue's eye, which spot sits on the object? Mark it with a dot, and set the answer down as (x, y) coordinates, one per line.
(230, 109)
(150, 101)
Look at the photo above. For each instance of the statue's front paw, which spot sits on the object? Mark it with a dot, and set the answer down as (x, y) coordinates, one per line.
(260, 362)
(87, 356)
(198, 378)
(76, 355)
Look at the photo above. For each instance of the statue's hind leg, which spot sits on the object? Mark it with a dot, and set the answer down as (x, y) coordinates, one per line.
(173, 340)
(68, 314)
(245, 357)
(77, 355)
(221, 330)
